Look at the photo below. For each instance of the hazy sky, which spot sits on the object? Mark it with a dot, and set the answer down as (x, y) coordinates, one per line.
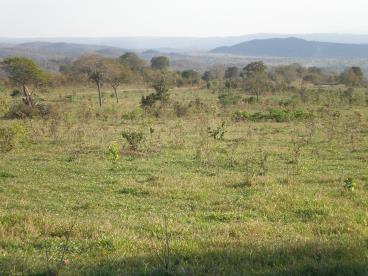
(91, 18)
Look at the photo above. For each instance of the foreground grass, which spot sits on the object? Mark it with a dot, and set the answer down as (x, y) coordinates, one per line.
(185, 203)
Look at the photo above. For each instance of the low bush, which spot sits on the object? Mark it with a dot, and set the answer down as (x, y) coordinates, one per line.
(350, 184)
(133, 138)
(11, 135)
(198, 106)
(149, 100)
(228, 99)
(132, 115)
(250, 100)
(4, 105)
(16, 93)
(114, 151)
(277, 115)
(218, 132)
(23, 111)
(180, 109)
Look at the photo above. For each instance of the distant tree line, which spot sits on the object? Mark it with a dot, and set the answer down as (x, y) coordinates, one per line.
(130, 69)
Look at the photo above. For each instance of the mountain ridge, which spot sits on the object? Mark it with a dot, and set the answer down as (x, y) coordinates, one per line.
(190, 43)
(295, 48)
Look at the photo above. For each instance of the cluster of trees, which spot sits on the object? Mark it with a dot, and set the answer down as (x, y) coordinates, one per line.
(129, 68)
(284, 76)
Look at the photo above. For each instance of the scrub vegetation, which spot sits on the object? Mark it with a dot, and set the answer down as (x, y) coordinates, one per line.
(114, 167)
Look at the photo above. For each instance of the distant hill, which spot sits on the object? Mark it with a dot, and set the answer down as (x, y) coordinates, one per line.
(63, 49)
(295, 48)
(51, 55)
(189, 43)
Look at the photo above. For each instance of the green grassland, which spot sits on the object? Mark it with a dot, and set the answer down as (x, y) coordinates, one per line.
(267, 199)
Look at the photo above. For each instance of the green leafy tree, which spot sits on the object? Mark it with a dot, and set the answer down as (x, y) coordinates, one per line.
(209, 76)
(162, 88)
(24, 73)
(352, 76)
(232, 73)
(132, 61)
(117, 74)
(255, 77)
(161, 85)
(97, 68)
(212, 78)
(287, 74)
(160, 63)
(191, 76)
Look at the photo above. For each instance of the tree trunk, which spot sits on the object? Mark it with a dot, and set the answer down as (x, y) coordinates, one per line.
(99, 92)
(27, 95)
(116, 94)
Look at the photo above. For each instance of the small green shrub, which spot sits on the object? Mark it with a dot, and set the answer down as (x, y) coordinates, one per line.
(134, 191)
(350, 184)
(276, 115)
(16, 93)
(228, 99)
(134, 139)
(217, 133)
(71, 98)
(114, 151)
(161, 94)
(47, 111)
(6, 175)
(20, 111)
(198, 106)
(240, 116)
(23, 111)
(149, 100)
(10, 136)
(132, 115)
(250, 100)
(180, 110)
(4, 105)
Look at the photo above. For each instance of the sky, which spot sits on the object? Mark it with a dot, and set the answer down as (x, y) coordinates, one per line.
(197, 18)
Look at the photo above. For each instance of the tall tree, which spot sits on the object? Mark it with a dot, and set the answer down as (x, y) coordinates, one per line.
(287, 74)
(352, 76)
(96, 68)
(114, 76)
(232, 77)
(24, 73)
(255, 77)
(232, 73)
(191, 76)
(132, 61)
(208, 76)
(160, 63)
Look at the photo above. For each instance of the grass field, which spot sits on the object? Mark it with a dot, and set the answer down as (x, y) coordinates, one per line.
(267, 199)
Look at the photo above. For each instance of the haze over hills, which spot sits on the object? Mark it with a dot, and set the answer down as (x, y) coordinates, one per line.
(60, 49)
(50, 55)
(189, 43)
(295, 48)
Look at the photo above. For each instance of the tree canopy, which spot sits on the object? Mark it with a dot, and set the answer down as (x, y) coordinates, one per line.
(255, 77)
(132, 61)
(160, 63)
(352, 76)
(97, 69)
(23, 72)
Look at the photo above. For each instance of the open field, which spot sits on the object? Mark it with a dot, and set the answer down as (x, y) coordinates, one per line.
(267, 199)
